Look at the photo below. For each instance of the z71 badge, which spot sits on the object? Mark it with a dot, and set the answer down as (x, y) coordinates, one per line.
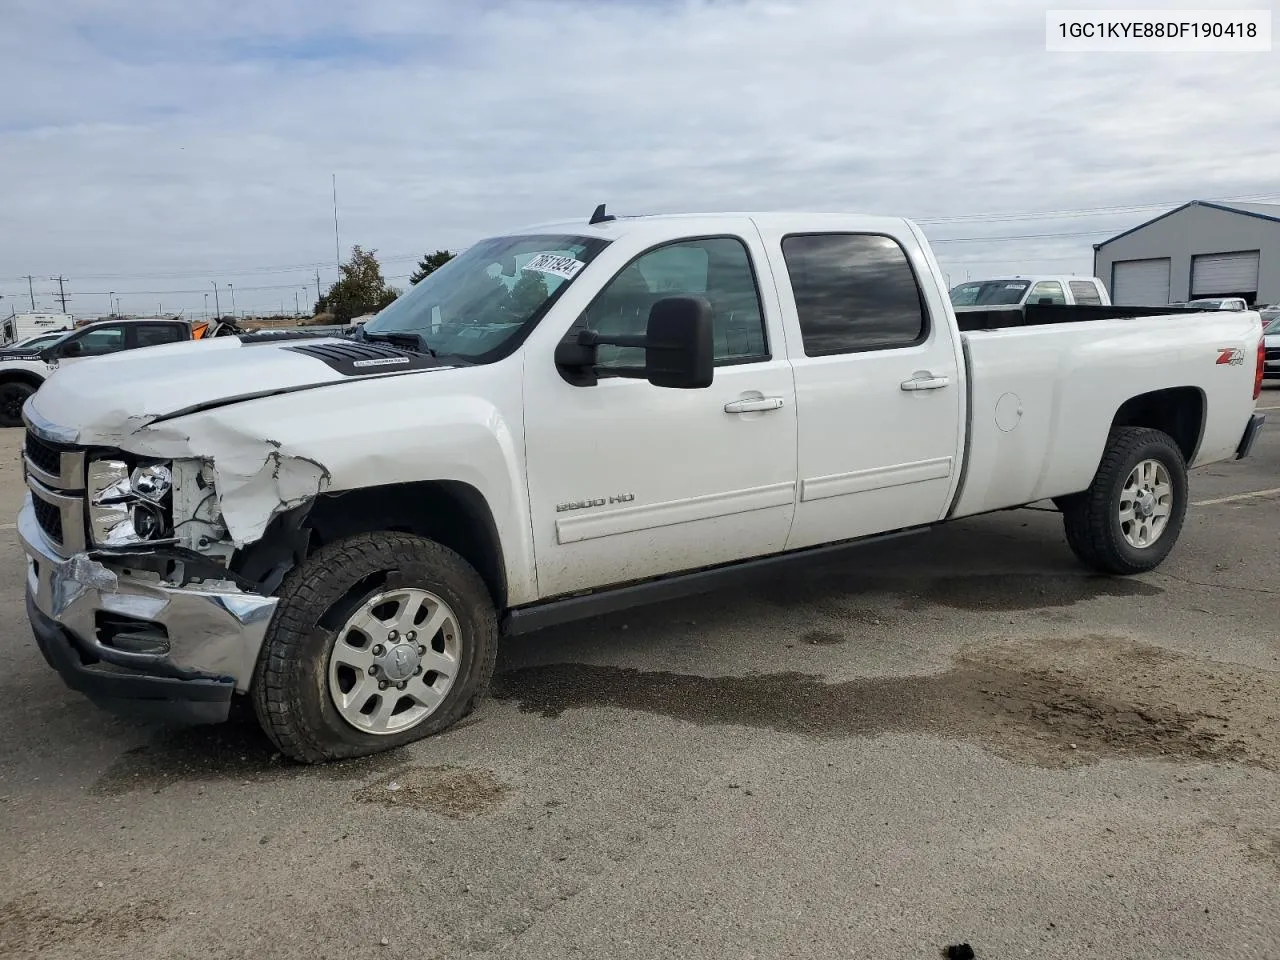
(595, 502)
(1231, 355)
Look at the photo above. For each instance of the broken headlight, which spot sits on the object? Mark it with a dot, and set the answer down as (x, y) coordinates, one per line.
(129, 504)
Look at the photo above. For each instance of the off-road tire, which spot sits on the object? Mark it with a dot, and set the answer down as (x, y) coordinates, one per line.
(1091, 518)
(12, 396)
(290, 690)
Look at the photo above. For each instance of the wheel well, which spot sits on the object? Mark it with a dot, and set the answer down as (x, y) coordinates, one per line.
(1177, 411)
(451, 513)
(21, 376)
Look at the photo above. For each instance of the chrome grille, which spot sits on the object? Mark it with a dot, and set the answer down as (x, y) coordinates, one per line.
(44, 455)
(55, 477)
(50, 519)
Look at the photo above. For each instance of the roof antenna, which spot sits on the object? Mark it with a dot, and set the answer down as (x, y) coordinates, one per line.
(600, 216)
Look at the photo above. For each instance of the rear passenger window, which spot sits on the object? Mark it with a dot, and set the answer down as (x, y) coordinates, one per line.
(853, 292)
(154, 334)
(1084, 291)
(717, 268)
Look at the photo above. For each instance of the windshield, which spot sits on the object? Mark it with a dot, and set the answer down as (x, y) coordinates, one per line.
(1205, 304)
(984, 292)
(41, 340)
(1272, 327)
(482, 302)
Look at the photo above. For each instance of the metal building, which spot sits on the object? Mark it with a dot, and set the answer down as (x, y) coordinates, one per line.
(1199, 249)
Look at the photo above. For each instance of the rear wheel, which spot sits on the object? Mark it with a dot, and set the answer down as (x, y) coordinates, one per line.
(378, 640)
(1131, 515)
(12, 396)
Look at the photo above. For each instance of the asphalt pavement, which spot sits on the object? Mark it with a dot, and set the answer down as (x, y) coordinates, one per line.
(959, 737)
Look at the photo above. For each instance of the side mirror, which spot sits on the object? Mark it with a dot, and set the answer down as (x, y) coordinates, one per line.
(677, 343)
(1045, 301)
(678, 350)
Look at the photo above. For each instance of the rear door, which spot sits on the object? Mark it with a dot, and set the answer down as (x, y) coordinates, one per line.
(879, 386)
(156, 334)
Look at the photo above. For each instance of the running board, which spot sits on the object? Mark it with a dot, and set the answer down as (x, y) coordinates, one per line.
(552, 613)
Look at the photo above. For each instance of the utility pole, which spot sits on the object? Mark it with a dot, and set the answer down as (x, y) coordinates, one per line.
(317, 287)
(32, 294)
(216, 305)
(296, 307)
(111, 303)
(206, 306)
(337, 249)
(62, 293)
(232, 288)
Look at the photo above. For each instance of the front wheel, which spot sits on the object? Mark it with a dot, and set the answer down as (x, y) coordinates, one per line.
(1130, 517)
(378, 640)
(12, 396)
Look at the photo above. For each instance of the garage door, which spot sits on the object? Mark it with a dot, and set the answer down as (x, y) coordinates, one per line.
(1140, 283)
(1222, 274)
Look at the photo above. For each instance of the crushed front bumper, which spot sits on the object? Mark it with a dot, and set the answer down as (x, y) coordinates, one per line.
(140, 645)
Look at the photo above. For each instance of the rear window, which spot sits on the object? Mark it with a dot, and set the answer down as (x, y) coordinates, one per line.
(1084, 291)
(981, 293)
(853, 292)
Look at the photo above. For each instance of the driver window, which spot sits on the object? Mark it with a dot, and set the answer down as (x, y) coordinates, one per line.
(99, 341)
(717, 268)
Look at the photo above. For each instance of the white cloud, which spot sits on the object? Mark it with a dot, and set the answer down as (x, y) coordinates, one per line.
(164, 145)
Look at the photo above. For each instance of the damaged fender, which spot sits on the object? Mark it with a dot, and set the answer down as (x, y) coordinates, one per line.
(255, 478)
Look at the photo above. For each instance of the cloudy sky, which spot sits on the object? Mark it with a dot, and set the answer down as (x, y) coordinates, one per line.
(150, 148)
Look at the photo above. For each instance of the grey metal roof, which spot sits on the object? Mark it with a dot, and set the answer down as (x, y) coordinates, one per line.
(1264, 211)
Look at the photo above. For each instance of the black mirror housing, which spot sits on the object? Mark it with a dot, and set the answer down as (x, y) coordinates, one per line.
(679, 350)
(677, 343)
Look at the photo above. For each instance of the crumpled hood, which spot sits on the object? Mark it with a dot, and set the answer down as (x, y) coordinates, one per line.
(103, 400)
(164, 402)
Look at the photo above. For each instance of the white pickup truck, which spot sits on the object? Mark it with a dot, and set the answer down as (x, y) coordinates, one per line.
(566, 420)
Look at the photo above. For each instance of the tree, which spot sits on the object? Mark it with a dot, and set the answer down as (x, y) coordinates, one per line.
(527, 295)
(359, 290)
(429, 264)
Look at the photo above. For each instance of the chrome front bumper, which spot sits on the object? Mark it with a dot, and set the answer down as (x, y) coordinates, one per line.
(195, 634)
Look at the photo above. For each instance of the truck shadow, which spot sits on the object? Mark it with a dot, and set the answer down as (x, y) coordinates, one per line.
(1005, 563)
(985, 565)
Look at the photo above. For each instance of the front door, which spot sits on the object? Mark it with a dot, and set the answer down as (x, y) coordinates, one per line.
(878, 384)
(94, 342)
(628, 480)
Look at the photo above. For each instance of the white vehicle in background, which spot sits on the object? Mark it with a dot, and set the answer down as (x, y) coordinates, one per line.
(1016, 292)
(571, 419)
(1271, 343)
(1217, 303)
(23, 326)
(38, 342)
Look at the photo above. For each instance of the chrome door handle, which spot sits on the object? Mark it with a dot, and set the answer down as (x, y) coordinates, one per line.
(926, 383)
(753, 404)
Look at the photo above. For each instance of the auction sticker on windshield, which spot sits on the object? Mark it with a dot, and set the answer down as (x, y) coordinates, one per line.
(555, 264)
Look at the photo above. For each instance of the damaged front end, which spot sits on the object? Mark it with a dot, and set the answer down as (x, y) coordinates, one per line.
(133, 588)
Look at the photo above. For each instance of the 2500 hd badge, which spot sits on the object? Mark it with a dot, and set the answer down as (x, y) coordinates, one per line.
(594, 502)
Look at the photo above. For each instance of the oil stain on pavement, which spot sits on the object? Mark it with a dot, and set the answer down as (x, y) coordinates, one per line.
(1051, 702)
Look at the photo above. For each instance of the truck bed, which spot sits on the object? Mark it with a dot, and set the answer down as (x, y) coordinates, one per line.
(1038, 393)
(1034, 315)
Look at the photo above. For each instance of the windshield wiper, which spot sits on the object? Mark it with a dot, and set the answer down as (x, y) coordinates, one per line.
(413, 342)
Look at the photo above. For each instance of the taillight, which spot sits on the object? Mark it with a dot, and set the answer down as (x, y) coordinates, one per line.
(1262, 365)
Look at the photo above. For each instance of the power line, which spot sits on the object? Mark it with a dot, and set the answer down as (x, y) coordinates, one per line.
(1022, 236)
(964, 218)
